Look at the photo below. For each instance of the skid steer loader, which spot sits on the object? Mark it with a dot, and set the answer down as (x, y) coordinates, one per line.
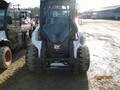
(57, 42)
(13, 35)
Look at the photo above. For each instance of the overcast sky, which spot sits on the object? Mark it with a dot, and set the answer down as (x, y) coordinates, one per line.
(90, 4)
(84, 4)
(26, 3)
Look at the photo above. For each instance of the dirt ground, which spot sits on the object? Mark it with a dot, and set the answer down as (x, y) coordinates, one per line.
(102, 38)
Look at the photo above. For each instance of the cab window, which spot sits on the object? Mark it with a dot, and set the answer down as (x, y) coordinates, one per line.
(11, 13)
(29, 15)
(2, 12)
(14, 13)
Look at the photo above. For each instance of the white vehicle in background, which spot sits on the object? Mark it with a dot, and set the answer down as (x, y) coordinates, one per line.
(26, 20)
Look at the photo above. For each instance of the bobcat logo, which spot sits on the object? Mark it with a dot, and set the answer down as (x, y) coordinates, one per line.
(56, 47)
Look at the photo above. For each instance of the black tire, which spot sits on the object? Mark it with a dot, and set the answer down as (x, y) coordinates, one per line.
(5, 57)
(31, 54)
(26, 40)
(30, 33)
(84, 58)
(34, 27)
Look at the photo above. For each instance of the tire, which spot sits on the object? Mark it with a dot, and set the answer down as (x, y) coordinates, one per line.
(30, 33)
(26, 41)
(34, 27)
(84, 58)
(5, 57)
(31, 54)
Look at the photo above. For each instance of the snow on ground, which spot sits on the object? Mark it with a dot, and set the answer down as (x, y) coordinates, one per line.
(103, 42)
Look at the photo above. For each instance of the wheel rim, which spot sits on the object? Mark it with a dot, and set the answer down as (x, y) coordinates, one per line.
(7, 57)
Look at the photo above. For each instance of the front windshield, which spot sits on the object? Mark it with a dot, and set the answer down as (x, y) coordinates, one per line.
(57, 21)
(2, 12)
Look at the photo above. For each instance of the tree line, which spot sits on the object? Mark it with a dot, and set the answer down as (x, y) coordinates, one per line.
(34, 11)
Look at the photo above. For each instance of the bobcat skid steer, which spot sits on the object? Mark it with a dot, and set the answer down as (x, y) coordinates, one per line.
(57, 42)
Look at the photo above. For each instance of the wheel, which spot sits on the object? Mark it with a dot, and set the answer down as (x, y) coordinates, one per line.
(30, 33)
(5, 57)
(26, 40)
(83, 58)
(31, 54)
(34, 28)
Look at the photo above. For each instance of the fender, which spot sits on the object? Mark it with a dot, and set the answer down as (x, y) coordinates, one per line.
(35, 41)
(81, 39)
(4, 41)
(3, 36)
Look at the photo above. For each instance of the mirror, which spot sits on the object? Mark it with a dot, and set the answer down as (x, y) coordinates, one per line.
(9, 20)
(19, 9)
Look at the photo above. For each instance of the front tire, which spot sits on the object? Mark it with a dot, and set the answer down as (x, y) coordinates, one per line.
(83, 56)
(5, 57)
(31, 54)
(26, 40)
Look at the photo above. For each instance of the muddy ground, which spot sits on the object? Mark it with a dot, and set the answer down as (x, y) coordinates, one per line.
(102, 38)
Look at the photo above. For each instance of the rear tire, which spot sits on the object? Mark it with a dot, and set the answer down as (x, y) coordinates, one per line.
(31, 54)
(5, 57)
(84, 59)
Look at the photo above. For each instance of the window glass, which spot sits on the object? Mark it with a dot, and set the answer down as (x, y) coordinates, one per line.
(2, 12)
(17, 16)
(12, 12)
(56, 25)
(59, 11)
(28, 15)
